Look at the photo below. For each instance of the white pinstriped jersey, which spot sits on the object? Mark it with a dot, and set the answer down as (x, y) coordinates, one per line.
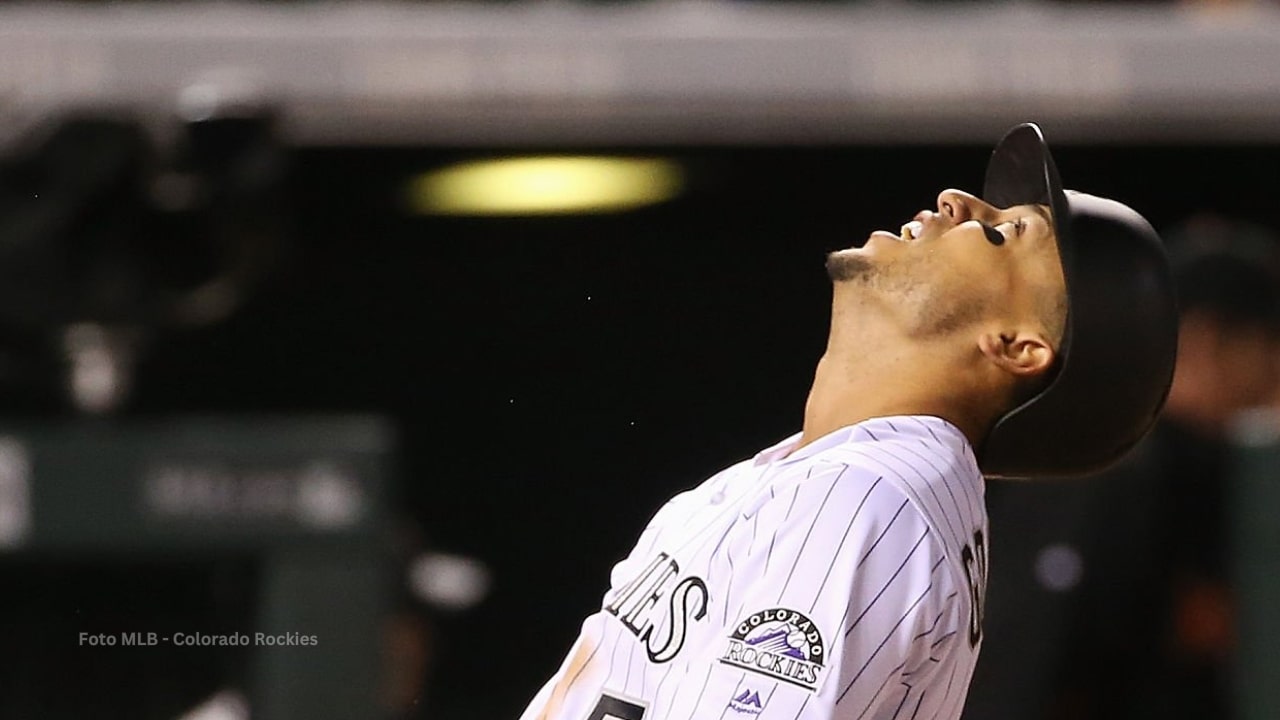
(842, 580)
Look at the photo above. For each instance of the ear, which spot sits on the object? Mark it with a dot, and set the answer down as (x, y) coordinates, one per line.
(1020, 353)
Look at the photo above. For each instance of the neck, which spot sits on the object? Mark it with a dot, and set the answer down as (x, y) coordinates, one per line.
(870, 371)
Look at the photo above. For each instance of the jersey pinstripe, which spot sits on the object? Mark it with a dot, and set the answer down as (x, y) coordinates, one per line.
(841, 580)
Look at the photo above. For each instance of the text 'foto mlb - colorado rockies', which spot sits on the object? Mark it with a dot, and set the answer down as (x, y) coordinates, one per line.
(841, 573)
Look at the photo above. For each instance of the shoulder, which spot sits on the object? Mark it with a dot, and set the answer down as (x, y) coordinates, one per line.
(929, 460)
(820, 485)
(910, 446)
(850, 503)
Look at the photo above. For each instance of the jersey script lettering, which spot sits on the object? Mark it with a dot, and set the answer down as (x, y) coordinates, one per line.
(635, 602)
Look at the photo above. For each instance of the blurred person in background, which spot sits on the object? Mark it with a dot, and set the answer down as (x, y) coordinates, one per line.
(1112, 597)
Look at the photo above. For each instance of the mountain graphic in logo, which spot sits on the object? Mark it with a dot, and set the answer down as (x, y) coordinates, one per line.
(779, 643)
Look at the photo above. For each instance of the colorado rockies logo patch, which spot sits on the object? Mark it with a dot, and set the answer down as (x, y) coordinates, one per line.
(781, 644)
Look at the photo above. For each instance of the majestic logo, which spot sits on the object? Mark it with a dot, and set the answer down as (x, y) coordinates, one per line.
(781, 644)
(634, 605)
(748, 702)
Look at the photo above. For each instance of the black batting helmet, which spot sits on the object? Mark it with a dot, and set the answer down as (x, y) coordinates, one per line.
(1115, 363)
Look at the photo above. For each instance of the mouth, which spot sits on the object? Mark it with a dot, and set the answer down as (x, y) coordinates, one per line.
(914, 230)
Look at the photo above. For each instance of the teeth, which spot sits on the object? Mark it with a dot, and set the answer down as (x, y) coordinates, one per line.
(912, 230)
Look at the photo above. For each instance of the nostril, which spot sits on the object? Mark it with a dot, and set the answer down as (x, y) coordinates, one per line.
(947, 209)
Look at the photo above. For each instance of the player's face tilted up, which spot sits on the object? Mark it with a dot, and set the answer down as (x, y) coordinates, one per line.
(841, 572)
(964, 263)
(971, 296)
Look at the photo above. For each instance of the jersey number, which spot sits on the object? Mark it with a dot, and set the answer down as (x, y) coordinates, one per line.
(975, 570)
(612, 708)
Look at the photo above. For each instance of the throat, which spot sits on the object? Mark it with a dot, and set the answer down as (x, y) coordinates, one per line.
(845, 393)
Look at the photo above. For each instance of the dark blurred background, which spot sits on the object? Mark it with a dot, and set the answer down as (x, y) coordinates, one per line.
(205, 309)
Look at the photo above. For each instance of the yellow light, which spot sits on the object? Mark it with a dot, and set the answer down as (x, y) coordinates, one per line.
(545, 185)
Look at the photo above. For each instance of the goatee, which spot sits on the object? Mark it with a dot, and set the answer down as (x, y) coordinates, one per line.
(846, 266)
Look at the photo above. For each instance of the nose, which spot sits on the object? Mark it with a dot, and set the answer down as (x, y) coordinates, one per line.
(959, 206)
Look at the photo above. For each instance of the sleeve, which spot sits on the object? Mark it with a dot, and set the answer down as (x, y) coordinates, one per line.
(837, 602)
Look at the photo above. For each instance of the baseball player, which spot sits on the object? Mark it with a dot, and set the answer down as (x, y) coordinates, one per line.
(841, 572)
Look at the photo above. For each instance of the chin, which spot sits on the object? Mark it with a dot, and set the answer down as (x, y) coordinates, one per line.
(847, 265)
